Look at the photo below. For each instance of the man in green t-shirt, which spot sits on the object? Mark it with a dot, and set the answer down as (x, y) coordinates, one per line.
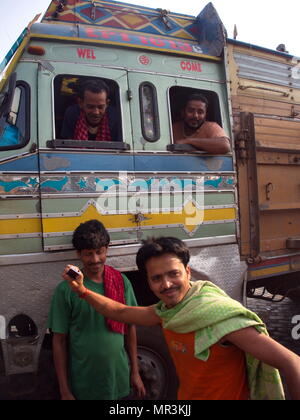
(89, 350)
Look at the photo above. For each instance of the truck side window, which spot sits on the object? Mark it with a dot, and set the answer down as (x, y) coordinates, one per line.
(14, 127)
(178, 94)
(149, 112)
(196, 122)
(87, 108)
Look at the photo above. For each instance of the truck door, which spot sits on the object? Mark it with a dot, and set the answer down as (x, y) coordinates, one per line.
(179, 192)
(20, 230)
(79, 183)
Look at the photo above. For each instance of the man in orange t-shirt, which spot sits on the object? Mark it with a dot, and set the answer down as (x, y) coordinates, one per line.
(220, 373)
(194, 130)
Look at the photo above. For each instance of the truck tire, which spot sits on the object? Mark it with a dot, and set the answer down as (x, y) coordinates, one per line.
(156, 367)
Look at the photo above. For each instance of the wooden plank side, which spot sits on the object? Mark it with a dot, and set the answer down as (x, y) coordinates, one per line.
(277, 126)
(263, 106)
(275, 234)
(277, 133)
(277, 190)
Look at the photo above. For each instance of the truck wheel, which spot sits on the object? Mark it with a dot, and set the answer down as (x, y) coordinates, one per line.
(156, 366)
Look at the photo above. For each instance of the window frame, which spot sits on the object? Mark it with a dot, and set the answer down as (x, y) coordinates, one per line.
(214, 106)
(156, 120)
(60, 143)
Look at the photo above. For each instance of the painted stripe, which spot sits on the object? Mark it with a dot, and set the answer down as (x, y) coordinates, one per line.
(86, 162)
(13, 62)
(190, 218)
(23, 164)
(268, 266)
(20, 226)
(93, 35)
(176, 163)
(270, 271)
(13, 49)
(270, 263)
(60, 162)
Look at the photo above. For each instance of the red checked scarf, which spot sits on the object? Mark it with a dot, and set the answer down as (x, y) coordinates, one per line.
(81, 129)
(114, 289)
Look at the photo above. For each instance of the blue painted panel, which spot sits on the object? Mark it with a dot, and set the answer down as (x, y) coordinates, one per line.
(22, 164)
(85, 162)
(114, 162)
(173, 163)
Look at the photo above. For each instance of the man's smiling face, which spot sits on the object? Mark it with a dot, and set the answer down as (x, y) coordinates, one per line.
(194, 114)
(168, 278)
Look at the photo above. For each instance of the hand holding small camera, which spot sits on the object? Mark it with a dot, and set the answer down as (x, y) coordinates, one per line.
(74, 277)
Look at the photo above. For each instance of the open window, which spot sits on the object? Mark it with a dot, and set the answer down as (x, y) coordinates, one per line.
(67, 114)
(178, 95)
(15, 117)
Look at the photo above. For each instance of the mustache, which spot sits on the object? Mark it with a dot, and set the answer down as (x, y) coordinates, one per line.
(169, 289)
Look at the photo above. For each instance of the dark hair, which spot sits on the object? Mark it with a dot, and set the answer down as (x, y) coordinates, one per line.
(92, 85)
(90, 235)
(195, 97)
(156, 247)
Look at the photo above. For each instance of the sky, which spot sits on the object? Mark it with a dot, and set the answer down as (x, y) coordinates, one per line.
(266, 23)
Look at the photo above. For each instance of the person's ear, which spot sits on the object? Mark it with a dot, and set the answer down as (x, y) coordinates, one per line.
(188, 272)
(80, 103)
(78, 253)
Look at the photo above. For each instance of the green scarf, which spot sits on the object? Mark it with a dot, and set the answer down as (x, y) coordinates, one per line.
(212, 314)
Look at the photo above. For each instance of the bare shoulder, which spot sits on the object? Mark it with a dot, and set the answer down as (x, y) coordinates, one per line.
(213, 129)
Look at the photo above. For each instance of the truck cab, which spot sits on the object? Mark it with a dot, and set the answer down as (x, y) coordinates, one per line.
(139, 183)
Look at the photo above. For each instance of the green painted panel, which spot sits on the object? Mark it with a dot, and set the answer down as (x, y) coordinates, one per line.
(219, 199)
(63, 205)
(20, 246)
(20, 206)
(56, 241)
(204, 231)
(71, 205)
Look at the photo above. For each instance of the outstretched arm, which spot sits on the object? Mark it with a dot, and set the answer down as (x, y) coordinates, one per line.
(268, 351)
(139, 315)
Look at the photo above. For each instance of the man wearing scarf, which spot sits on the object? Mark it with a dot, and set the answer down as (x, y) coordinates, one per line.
(220, 349)
(93, 118)
(89, 350)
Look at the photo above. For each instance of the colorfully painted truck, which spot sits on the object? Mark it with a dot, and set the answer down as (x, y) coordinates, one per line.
(238, 213)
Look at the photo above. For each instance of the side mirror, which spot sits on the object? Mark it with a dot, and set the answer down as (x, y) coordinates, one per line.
(5, 107)
(7, 101)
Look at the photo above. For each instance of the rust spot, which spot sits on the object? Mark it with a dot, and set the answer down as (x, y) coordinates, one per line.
(52, 163)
